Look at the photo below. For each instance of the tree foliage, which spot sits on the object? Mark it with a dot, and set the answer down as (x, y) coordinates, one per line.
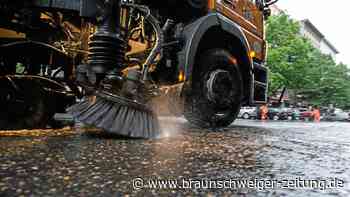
(295, 64)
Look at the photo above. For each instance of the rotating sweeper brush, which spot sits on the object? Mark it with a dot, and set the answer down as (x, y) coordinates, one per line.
(117, 115)
(117, 102)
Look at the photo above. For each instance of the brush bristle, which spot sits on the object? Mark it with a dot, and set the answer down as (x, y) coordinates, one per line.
(116, 118)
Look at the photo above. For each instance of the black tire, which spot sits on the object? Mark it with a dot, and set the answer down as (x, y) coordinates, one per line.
(215, 70)
(246, 116)
(30, 111)
(275, 117)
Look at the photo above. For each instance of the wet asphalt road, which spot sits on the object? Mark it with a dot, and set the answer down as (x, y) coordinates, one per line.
(73, 162)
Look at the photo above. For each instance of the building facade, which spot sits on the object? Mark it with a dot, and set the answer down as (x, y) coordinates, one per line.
(318, 40)
(275, 10)
(310, 31)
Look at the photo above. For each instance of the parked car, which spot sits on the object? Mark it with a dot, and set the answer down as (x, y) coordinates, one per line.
(274, 113)
(248, 113)
(337, 115)
(305, 114)
(277, 113)
(289, 114)
(295, 114)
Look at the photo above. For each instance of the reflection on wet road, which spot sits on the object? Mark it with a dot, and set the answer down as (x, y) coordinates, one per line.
(78, 163)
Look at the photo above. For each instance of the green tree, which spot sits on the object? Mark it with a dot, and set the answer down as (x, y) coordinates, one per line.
(288, 53)
(295, 64)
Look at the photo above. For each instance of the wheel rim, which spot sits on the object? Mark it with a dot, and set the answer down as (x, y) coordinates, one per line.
(220, 91)
(220, 87)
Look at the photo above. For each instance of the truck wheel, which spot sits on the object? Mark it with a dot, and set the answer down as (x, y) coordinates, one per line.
(215, 98)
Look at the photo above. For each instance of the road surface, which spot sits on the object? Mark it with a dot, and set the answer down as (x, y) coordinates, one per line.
(249, 158)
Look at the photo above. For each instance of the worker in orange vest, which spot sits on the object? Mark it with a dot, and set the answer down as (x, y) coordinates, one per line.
(264, 110)
(316, 114)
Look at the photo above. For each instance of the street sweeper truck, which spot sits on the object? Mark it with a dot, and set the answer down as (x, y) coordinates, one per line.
(206, 58)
